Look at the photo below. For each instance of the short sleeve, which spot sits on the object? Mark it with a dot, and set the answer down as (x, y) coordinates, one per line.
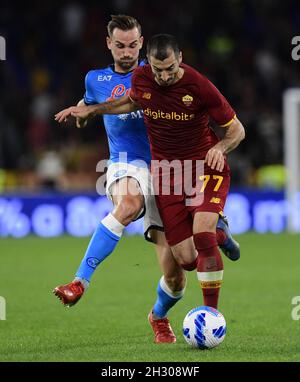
(216, 104)
(89, 95)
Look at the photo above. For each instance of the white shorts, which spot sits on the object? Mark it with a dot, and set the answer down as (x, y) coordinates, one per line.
(117, 171)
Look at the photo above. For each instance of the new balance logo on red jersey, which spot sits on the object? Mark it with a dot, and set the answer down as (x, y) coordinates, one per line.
(147, 95)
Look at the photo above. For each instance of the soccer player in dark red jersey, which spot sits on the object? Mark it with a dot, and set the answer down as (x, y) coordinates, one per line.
(178, 103)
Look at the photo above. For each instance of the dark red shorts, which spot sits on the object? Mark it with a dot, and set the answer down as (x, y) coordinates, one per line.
(177, 211)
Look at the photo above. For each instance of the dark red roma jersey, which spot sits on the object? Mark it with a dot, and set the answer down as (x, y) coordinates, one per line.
(177, 116)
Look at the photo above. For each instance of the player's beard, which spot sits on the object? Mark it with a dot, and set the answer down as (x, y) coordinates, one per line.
(171, 81)
(166, 83)
(127, 64)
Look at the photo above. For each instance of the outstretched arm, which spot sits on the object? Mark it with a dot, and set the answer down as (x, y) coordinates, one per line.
(117, 106)
(81, 122)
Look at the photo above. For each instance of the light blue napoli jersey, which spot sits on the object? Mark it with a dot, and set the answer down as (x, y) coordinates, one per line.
(125, 132)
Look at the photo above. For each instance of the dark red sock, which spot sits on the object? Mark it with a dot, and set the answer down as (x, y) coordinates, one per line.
(209, 267)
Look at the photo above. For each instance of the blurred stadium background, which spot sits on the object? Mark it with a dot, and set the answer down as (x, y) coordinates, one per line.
(48, 172)
(242, 46)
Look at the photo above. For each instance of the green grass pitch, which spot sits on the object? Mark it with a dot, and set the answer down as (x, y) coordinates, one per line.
(110, 321)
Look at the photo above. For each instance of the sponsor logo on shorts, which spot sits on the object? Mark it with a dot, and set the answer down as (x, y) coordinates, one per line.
(120, 173)
(215, 200)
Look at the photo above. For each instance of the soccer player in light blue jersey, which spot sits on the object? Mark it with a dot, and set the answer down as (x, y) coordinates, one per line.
(128, 180)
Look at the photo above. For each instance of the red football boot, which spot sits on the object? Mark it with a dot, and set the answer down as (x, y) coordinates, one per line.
(70, 293)
(162, 330)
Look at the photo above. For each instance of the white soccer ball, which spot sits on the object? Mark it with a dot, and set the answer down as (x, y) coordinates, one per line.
(204, 327)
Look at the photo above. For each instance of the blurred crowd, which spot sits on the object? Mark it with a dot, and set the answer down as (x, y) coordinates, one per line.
(244, 47)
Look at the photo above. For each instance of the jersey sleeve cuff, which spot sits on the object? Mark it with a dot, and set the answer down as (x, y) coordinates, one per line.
(228, 123)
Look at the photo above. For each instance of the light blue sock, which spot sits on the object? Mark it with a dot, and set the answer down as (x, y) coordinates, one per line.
(165, 299)
(102, 244)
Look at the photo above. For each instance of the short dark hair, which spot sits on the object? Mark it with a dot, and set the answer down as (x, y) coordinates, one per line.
(159, 45)
(123, 22)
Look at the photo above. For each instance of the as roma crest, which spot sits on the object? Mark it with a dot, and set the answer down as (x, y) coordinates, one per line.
(187, 100)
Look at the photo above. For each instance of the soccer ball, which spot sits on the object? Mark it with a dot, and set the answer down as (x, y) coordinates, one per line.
(204, 327)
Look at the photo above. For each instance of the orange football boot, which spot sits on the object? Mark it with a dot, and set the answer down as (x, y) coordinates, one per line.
(162, 330)
(70, 293)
